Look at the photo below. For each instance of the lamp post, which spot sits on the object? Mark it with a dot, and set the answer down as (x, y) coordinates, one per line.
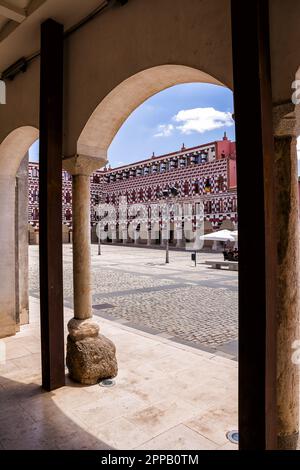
(98, 231)
(99, 243)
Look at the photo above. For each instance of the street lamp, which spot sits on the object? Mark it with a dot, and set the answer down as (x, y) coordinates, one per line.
(99, 233)
(165, 193)
(99, 243)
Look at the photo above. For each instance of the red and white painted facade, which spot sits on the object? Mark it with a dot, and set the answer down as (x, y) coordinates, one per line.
(204, 173)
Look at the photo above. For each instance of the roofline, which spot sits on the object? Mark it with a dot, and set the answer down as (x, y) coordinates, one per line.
(151, 159)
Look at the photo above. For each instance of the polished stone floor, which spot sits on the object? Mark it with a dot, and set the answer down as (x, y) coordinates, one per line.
(167, 396)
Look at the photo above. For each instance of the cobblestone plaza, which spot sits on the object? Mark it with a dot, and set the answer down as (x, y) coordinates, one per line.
(132, 285)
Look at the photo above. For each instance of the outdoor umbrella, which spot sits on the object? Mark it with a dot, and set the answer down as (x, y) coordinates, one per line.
(220, 236)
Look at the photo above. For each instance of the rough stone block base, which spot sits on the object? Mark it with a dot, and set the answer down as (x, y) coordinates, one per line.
(91, 359)
(288, 442)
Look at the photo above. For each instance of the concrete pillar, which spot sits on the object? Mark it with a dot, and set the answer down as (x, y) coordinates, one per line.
(21, 219)
(285, 125)
(90, 356)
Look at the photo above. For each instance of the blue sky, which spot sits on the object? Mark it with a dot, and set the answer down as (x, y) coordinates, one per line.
(174, 116)
(192, 114)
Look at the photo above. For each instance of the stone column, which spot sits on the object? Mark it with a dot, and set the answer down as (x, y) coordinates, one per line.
(7, 256)
(22, 296)
(179, 237)
(124, 236)
(114, 236)
(90, 356)
(285, 125)
(81, 247)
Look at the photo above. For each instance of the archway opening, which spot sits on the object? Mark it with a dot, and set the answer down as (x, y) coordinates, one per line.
(14, 308)
(132, 283)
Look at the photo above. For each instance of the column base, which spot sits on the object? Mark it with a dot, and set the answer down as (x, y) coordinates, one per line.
(90, 356)
(288, 442)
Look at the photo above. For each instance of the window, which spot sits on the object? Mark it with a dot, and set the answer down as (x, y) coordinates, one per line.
(221, 183)
(68, 214)
(207, 186)
(208, 207)
(186, 188)
(68, 197)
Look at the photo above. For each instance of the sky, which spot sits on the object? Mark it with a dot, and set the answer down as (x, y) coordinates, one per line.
(192, 114)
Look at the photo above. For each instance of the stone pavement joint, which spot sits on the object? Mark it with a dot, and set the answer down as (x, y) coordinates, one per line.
(197, 306)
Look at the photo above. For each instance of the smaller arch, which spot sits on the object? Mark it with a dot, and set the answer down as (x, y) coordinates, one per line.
(14, 147)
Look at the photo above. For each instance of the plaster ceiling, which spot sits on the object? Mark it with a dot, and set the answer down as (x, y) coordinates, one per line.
(20, 22)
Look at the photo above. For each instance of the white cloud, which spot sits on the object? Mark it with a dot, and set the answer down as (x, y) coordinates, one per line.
(164, 130)
(202, 120)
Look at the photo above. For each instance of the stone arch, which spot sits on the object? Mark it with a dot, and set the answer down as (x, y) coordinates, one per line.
(115, 108)
(227, 224)
(12, 151)
(14, 147)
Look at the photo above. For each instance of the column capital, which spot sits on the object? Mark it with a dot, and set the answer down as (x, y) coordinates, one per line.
(83, 164)
(286, 120)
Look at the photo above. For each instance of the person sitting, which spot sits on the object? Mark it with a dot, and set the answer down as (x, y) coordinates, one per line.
(225, 254)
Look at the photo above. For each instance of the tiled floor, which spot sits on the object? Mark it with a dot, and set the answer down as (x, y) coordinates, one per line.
(167, 396)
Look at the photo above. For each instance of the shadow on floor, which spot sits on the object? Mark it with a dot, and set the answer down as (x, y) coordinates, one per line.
(30, 420)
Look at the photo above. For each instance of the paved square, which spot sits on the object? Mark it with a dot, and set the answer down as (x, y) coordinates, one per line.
(132, 285)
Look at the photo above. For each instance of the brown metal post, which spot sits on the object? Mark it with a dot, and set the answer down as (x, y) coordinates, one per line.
(257, 227)
(50, 183)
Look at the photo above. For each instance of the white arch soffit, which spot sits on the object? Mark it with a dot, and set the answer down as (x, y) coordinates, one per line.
(14, 148)
(115, 108)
